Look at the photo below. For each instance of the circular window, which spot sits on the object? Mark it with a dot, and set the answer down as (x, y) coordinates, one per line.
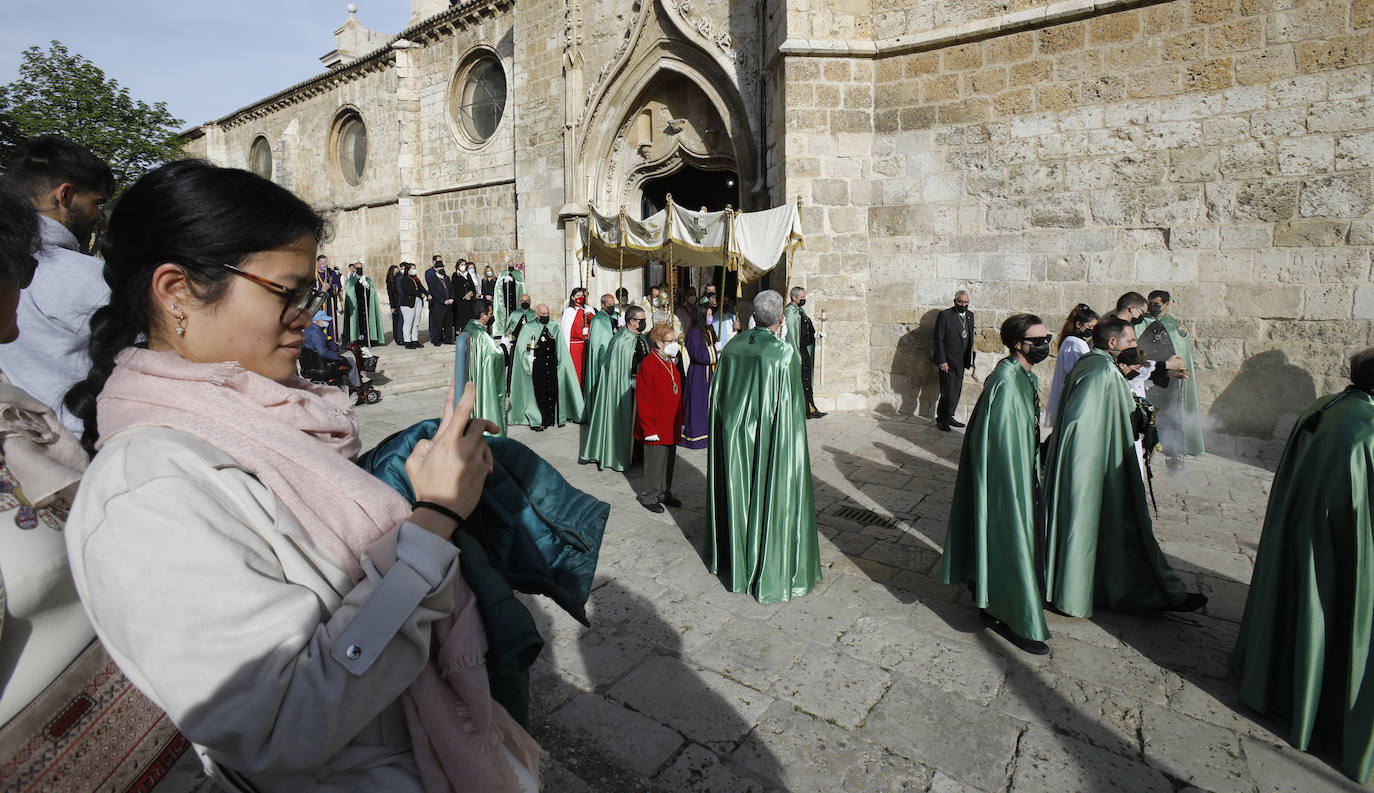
(260, 158)
(350, 147)
(481, 98)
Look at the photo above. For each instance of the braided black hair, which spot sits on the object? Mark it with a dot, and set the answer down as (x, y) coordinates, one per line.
(198, 216)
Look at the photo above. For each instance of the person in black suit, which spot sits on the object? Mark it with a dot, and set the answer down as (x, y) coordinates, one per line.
(954, 356)
(441, 302)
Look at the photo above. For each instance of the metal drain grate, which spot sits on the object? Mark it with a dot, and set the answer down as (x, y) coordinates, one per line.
(864, 517)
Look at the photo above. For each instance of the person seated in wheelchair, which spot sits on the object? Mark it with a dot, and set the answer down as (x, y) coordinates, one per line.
(326, 365)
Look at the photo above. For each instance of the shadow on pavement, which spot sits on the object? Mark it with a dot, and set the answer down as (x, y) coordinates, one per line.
(618, 707)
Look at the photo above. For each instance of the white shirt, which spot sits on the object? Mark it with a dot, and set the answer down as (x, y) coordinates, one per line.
(1071, 348)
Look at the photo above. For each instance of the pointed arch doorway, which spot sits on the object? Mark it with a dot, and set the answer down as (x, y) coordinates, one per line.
(694, 188)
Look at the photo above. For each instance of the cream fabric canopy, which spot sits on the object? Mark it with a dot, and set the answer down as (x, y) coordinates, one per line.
(748, 242)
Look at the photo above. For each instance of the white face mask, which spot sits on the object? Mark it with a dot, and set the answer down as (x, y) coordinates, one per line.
(671, 349)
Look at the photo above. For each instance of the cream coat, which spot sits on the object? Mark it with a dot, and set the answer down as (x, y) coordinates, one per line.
(213, 601)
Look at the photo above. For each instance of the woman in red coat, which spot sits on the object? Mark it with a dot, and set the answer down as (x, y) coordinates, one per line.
(658, 417)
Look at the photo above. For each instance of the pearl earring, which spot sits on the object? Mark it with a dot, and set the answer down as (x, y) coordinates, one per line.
(181, 319)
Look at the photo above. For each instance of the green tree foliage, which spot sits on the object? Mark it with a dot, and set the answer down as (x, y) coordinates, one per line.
(59, 92)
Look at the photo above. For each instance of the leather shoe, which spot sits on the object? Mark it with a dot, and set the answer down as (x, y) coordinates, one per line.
(954, 423)
(815, 414)
(943, 426)
(652, 507)
(1193, 602)
(1031, 646)
(670, 500)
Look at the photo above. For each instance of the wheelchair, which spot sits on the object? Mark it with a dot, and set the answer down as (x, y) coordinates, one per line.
(335, 373)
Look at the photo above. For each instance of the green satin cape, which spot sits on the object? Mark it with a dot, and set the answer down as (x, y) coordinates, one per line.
(1101, 546)
(791, 316)
(487, 370)
(514, 319)
(499, 315)
(611, 412)
(374, 315)
(1178, 403)
(523, 407)
(598, 338)
(1305, 639)
(761, 523)
(991, 540)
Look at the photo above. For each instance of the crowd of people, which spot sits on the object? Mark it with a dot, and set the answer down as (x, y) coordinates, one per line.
(311, 626)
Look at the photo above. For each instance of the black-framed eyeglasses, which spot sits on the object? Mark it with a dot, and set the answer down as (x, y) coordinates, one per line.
(299, 300)
(1039, 339)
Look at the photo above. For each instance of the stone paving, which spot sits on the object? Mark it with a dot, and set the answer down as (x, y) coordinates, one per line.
(883, 679)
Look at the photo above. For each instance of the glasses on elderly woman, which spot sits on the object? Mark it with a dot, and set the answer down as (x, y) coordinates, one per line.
(300, 301)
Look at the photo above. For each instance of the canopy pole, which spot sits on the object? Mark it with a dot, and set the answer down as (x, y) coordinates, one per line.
(621, 250)
(672, 270)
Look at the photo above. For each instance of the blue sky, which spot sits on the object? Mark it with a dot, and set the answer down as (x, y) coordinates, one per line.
(204, 58)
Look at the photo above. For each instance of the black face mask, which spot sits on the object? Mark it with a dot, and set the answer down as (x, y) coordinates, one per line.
(960, 309)
(1156, 309)
(1086, 334)
(801, 302)
(525, 304)
(1039, 351)
(543, 320)
(1131, 375)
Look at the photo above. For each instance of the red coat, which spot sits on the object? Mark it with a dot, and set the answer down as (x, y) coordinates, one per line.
(658, 401)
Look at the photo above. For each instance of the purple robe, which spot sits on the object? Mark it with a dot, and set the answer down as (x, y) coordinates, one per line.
(701, 349)
(327, 280)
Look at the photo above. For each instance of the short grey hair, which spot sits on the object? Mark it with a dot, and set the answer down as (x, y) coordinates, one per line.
(795, 292)
(767, 308)
(660, 318)
(961, 293)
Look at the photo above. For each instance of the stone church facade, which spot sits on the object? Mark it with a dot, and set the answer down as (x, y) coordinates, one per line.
(1037, 154)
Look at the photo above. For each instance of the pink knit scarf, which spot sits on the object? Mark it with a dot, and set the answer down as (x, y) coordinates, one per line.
(299, 439)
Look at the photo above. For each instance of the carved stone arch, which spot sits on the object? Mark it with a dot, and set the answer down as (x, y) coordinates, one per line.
(603, 141)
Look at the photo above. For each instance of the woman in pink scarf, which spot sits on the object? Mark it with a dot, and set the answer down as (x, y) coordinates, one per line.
(305, 626)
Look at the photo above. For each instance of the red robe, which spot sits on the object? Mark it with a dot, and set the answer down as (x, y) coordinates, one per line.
(658, 401)
(577, 343)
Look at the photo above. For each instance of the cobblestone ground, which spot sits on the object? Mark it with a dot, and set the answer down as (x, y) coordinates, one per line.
(883, 679)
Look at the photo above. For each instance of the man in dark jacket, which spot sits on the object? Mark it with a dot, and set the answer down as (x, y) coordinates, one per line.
(954, 356)
(441, 303)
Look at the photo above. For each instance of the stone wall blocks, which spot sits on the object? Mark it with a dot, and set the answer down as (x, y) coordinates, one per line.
(1310, 233)
(1264, 301)
(1349, 83)
(1344, 195)
(1062, 38)
(1335, 53)
(1310, 21)
(1132, 113)
(1343, 115)
(1267, 200)
(1161, 81)
(1327, 301)
(1248, 236)
(1187, 46)
(1330, 266)
(1248, 159)
(1191, 107)
(1226, 266)
(1174, 135)
(1194, 237)
(1355, 151)
(1213, 325)
(1032, 72)
(1193, 165)
(1168, 206)
(1266, 66)
(1236, 36)
(1361, 233)
(1306, 155)
(1219, 200)
(1212, 75)
(1111, 268)
(1278, 123)
(1065, 210)
(1112, 207)
(1226, 129)
(1088, 240)
(1364, 303)
(1144, 239)
(1070, 267)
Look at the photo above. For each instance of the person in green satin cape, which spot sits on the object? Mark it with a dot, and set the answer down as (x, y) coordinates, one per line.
(992, 543)
(543, 374)
(603, 325)
(611, 411)
(761, 522)
(510, 286)
(1180, 423)
(801, 334)
(362, 312)
(486, 369)
(1304, 646)
(1101, 548)
(518, 319)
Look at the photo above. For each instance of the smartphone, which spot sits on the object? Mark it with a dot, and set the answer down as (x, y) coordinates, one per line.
(460, 366)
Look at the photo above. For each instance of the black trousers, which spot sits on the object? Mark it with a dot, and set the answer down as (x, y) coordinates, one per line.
(659, 461)
(808, 368)
(439, 322)
(951, 385)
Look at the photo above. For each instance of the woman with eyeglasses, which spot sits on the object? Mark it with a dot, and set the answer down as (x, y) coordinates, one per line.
(282, 605)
